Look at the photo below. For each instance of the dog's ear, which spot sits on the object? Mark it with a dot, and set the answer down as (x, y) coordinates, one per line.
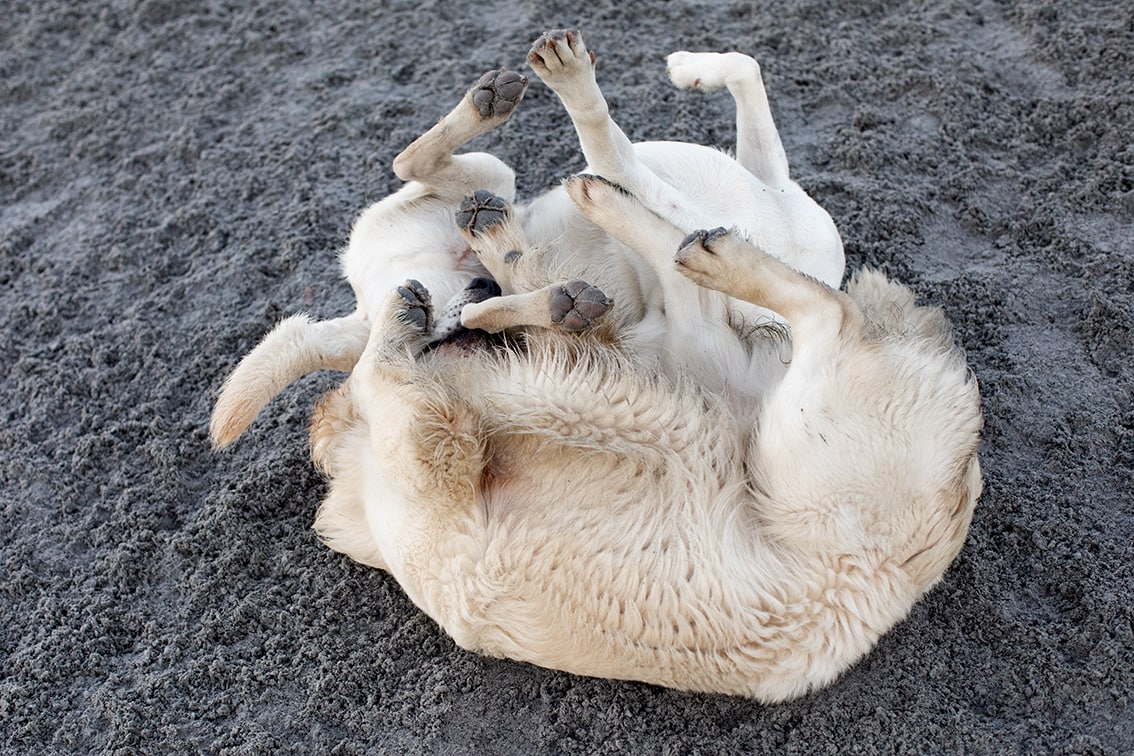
(293, 349)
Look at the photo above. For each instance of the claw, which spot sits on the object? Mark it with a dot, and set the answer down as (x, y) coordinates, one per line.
(704, 237)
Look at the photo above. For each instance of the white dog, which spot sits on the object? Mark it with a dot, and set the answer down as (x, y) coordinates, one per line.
(644, 477)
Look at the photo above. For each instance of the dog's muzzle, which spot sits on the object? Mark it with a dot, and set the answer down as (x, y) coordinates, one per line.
(447, 324)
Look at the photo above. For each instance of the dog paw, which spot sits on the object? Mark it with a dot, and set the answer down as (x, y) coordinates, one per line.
(699, 256)
(412, 304)
(575, 305)
(621, 214)
(481, 211)
(708, 71)
(560, 54)
(601, 200)
(497, 93)
(589, 188)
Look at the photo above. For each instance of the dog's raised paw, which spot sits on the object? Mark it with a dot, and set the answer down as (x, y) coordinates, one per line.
(415, 305)
(697, 257)
(587, 187)
(480, 211)
(577, 304)
(558, 49)
(704, 238)
(497, 93)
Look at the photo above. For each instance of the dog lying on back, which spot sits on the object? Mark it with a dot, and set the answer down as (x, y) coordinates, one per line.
(581, 436)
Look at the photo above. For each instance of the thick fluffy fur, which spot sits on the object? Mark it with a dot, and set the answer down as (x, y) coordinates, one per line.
(647, 486)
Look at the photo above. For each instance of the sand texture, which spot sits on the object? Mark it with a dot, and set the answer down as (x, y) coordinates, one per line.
(176, 177)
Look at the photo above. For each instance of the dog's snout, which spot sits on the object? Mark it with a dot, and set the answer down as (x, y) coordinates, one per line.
(483, 288)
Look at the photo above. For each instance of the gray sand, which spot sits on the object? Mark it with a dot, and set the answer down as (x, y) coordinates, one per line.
(176, 177)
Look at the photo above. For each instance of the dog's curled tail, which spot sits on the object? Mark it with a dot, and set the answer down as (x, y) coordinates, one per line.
(294, 348)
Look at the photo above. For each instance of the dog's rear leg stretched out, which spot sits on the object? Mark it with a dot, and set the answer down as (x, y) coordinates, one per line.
(921, 433)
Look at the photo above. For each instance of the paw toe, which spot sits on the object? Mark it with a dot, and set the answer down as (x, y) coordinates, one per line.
(559, 46)
(586, 188)
(414, 292)
(704, 238)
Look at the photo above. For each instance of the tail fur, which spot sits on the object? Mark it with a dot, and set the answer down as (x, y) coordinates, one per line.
(294, 348)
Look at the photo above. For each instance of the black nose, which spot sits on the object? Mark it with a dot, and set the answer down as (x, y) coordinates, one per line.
(485, 288)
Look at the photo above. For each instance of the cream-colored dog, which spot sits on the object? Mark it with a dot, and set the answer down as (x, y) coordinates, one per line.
(644, 476)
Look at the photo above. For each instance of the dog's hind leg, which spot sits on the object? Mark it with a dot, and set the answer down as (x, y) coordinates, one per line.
(758, 145)
(413, 418)
(563, 62)
(431, 446)
(429, 160)
(868, 444)
(720, 260)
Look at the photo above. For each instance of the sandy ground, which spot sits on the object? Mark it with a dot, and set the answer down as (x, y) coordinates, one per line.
(175, 177)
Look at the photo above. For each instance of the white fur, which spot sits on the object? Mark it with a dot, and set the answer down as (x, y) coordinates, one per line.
(674, 494)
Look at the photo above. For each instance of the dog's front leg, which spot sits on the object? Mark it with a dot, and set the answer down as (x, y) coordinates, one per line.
(494, 233)
(698, 338)
(758, 145)
(572, 306)
(489, 225)
(565, 65)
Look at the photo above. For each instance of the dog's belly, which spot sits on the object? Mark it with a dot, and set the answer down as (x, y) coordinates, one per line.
(782, 220)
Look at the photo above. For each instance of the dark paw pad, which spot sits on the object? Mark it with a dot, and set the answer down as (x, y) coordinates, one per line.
(416, 299)
(481, 210)
(577, 304)
(498, 92)
(705, 237)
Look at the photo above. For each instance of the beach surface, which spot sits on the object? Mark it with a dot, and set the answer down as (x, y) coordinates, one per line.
(176, 177)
